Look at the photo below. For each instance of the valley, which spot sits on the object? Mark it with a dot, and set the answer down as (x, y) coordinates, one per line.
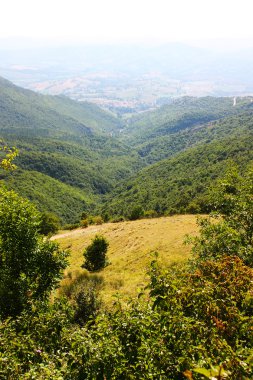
(146, 174)
(132, 78)
(75, 157)
(125, 191)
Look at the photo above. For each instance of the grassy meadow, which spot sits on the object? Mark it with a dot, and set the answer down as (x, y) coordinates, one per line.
(131, 248)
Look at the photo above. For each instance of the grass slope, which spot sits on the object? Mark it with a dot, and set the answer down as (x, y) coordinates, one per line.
(131, 248)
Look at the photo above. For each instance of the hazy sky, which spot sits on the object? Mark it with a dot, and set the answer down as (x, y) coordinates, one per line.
(126, 20)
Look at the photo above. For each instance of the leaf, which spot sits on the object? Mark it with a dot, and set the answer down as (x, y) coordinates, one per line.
(203, 371)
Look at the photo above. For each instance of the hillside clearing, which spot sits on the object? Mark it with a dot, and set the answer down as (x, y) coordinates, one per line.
(131, 245)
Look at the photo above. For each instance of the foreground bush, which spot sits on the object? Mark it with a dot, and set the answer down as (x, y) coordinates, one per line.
(195, 323)
(30, 265)
(82, 290)
(229, 231)
(192, 320)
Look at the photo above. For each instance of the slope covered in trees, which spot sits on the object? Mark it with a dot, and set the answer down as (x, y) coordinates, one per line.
(166, 146)
(180, 114)
(62, 144)
(195, 320)
(197, 155)
(49, 194)
(89, 156)
(51, 115)
(179, 184)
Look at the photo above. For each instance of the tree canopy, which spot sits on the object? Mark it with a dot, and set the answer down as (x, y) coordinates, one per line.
(30, 265)
(95, 254)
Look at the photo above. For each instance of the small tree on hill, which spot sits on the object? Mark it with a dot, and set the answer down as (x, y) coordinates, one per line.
(95, 254)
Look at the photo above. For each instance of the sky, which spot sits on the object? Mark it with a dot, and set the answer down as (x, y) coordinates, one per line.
(117, 21)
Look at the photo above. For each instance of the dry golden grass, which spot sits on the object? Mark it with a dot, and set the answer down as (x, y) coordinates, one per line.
(130, 249)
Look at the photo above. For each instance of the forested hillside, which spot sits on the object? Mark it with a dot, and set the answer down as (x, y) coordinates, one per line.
(75, 157)
(50, 115)
(180, 114)
(126, 190)
(192, 321)
(197, 156)
(167, 146)
(62, 145)
(179, 184)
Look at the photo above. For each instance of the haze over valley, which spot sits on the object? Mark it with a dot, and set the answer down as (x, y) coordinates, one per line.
(131, 78)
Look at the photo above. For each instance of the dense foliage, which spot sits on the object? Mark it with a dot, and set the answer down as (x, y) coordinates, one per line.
(64, 145)
(30, 266)
(48, 194)
(95, 257)
(159, 147)
(50, 114)
(229, 230)
(183, 113)
(195, 322)
(179, 184)
(49, 223)
(73, 154)
(82, 290)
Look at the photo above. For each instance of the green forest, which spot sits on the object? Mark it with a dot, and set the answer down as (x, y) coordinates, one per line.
(75, 157)
(72, 164)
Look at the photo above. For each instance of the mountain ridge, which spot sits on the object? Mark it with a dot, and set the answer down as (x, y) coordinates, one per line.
(107, 169)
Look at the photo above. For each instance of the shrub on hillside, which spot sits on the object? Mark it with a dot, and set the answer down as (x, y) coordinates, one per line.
(137, 212)
(118, 219)
(98, 220)
(150, 214)
(82, 290)
(95, 254)
(95, 220)
(71, 226)
(84, 223)
(50, 223)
